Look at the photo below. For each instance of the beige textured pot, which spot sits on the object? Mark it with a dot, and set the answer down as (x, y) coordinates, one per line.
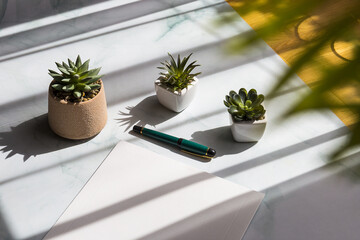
(77, 120)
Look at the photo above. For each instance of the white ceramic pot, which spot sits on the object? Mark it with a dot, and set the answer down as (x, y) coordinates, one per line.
(176, 101)
(247, 131)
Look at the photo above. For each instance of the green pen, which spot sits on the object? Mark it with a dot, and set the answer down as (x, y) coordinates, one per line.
(185, 145)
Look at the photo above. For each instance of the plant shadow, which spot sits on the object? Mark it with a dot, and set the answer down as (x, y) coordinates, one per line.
(148, 112)
(33, 137)
(221, 140)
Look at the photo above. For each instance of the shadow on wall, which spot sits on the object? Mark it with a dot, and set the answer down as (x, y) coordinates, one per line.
(147, 112)
(33, 137)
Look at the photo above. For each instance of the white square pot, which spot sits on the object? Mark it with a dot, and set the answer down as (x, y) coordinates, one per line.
(176, 101)
(247, 131)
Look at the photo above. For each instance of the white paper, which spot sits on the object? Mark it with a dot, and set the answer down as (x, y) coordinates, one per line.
(138, 194)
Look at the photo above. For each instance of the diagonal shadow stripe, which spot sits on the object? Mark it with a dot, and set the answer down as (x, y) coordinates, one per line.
(128, 203)
(40, 36)
(298, 147)
(85, 23)
(216, 222)
(120, 91)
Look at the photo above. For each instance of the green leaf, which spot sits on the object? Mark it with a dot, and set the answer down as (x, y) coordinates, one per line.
(95, 78)
(75, 77)
(259, 108)
(184, 61)
(252, 95)
(95, 71)
(233, 102)
(84, 67)
(226, 104)
(239, 115)
(53, 72)
(64, 71)
(237, 99)
(172, 60)
(71, 63)
(232, 93)
(238, 118)
(77, 94)
(232, 109)
(243, 95)
(58, 79)
(78, 61)
(68, 88)
(84, 74)
(95, 86)
(258, 101)
(248, 103)
(59, 65)
(71, 72)
(57, 86)
(191, 67)
(250, 115)
(65, 80)
(87, 88)
(227, 97)
(55, 75)
(65, 65)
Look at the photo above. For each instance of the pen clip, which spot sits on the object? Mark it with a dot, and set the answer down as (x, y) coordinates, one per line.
(195, 154)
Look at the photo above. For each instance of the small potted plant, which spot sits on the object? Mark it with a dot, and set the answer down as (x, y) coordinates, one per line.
(76, 100)
(176, 86)
(247, 115)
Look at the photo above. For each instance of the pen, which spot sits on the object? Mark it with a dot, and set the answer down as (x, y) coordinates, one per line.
(185, 145)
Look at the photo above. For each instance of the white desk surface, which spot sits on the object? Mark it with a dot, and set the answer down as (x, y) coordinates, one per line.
(40, 173)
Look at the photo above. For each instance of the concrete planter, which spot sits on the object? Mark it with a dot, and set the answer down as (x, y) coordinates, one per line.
(77, 120)
(247, 131)
(176, 101)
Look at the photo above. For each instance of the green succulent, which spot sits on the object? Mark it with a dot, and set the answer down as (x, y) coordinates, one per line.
(177, 75)
(75, 78)
(245, 106)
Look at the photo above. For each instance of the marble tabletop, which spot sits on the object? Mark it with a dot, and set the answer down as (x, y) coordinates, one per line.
(307, 197)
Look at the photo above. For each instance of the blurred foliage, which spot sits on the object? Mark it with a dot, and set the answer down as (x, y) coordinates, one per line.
(328, 24)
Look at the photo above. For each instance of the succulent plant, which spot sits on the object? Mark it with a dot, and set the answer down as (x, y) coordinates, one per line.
(75, 78)
(245, 106)
(177, 75)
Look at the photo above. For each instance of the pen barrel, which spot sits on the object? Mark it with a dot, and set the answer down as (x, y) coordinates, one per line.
(194, 147)
(160, 136)
(186, 145)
